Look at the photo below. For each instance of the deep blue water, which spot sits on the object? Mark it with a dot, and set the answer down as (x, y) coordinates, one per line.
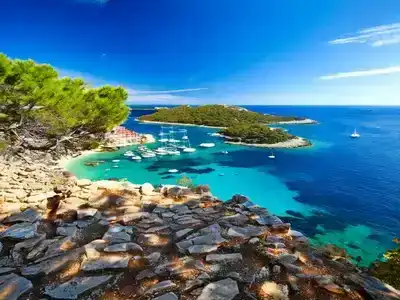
(340, 191)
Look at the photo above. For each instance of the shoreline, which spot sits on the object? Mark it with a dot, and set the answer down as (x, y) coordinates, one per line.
(296, 122)
(297, 142)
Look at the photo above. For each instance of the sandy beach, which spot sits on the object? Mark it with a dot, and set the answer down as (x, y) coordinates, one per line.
(297, 142)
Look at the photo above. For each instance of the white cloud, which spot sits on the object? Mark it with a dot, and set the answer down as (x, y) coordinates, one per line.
(375, 36)
(363, 73)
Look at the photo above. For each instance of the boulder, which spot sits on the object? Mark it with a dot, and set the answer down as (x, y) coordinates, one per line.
(147, 189)
(20, 231)
(86, 213)
(274, 291)
(225, 289)
(83, 182)
(74, 288)
(13, 286)
(106, 263)
(224, 258)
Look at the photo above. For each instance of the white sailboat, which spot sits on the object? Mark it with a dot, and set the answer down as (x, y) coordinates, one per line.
(355, 134)
(186, 147)
(272, 155)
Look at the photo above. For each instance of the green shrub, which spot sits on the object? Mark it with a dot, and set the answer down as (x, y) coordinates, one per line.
(185, 181)
(389, 270)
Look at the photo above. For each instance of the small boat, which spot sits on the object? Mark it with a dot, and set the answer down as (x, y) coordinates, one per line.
(185, 137)
(173, 152)
(207, 145)
(224, 152)
(148, 155)
(163, 140)
(115, 166)
(115, 160)
(173, 170)
(215, 134)
(189, 150)
(272, 156)
(129, 153)
(137, 157)
(355, 134)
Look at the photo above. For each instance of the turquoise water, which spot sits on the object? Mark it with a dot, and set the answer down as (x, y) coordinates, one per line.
(339, 191)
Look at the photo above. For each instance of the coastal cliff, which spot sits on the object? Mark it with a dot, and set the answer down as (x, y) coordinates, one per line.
(68, 238)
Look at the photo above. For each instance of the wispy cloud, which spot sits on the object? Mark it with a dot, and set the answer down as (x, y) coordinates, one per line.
(375, 36)
(171, 91)
(363, 73)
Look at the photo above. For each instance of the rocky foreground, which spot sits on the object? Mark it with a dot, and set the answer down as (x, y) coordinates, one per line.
(63, 238)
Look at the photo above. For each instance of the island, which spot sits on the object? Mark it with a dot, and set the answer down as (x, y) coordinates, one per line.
(259, 135)
(216, 115)
(239, 125)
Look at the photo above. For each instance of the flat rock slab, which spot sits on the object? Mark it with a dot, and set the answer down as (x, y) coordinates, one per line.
(53, 264)
(225, 289)
(67, 231)
(214, 238)
(13, 286)
(134, 217)
(168, 296)
(218, 258)
(86, 213)
(77, 286)
(246, 232)
(29, 215)
(7, 270)
(160, 287)
(106, 262)
(201, 249)
(20, 231)
(116, 237)
(124, 247)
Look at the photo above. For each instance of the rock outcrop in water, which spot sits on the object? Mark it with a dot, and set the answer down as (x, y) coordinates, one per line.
(63, 238)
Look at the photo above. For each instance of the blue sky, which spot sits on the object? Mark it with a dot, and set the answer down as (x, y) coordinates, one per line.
(240, 52)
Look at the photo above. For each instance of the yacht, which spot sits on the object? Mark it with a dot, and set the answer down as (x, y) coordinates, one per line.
(207, 145)
(186, 147)
(272, 156)
(355, 134)
(173, 170)
(148, 155)
(115, 160)
(189, 150)
(136, 157)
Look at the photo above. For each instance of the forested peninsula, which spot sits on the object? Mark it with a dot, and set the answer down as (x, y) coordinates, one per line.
(39, 110)
(239, 125)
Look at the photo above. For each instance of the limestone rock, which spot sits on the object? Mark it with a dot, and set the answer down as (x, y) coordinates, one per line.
(146, 189)
(105, 263)
(274, 291)
(7, 270)
(246, 232)
(201, 249)
(225, 289)
(116, 237)
(124, 247)
(168, 296)
(13, 286)
(53, 264)
(83, 182)
(86, 213)
(20, 231)
(29, 215)
(74, 288)
(160, 287)
(67, 231)
(219, 258)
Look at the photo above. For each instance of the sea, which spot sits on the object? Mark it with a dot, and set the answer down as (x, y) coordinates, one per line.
(340, 191)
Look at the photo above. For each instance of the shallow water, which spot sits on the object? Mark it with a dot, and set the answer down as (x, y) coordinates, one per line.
(340, 191)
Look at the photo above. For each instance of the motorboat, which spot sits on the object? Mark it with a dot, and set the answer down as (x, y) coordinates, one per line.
(189, 150)
(185, 137)
(136, 157)
(173, 152)
(163, 140)
(355, 134)
(207, 145)
(115, 160)
(129, 153)
(173, 171)
(224, 152)
(148, 155)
